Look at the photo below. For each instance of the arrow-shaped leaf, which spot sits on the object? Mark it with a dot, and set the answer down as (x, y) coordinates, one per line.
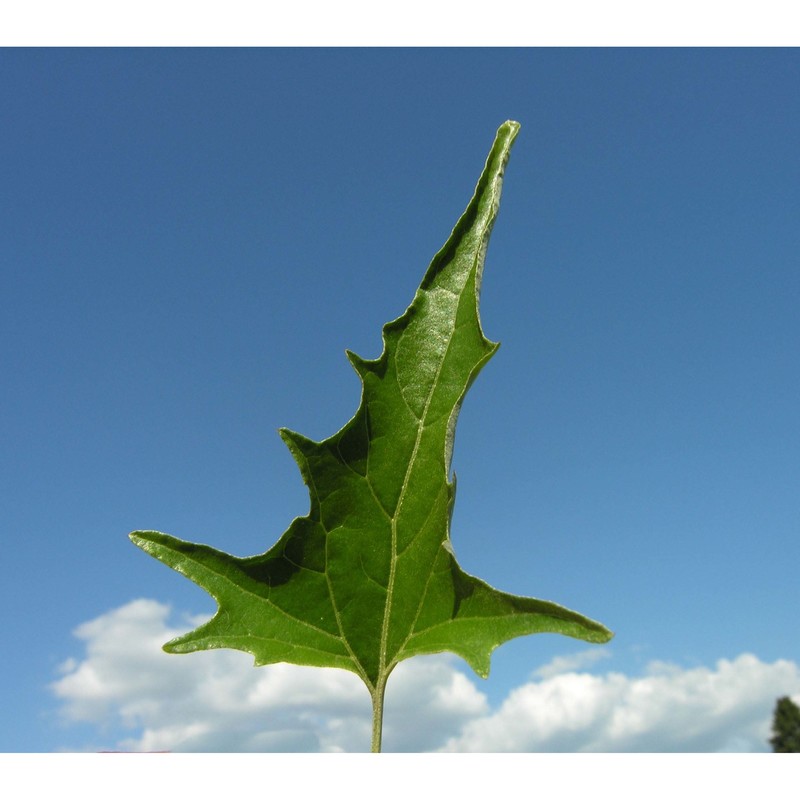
(368, 577)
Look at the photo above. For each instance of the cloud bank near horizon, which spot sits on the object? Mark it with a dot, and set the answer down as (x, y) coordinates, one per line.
(139, 698)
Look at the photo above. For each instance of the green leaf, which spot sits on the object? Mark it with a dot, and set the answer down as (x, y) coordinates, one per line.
(368, 577)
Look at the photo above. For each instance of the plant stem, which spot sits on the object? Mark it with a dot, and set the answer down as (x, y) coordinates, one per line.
(377, 713)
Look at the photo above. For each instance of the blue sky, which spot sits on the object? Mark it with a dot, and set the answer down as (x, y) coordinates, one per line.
(190, 239)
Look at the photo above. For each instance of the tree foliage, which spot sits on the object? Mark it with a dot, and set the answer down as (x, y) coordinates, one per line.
(786, 727)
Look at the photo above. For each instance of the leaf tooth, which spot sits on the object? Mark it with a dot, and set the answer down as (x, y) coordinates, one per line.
(301, 448)
(293, 438)
(362, 366)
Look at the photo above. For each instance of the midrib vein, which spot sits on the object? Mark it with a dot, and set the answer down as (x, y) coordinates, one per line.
(393, 560)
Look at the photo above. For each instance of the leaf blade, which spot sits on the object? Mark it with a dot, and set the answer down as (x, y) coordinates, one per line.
(368, 577)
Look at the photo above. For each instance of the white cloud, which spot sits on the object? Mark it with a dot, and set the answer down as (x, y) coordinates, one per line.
(669, 709)
(139, 698)
(217, 701)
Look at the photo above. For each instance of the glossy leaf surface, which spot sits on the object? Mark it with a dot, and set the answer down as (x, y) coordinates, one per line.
(368, 577)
